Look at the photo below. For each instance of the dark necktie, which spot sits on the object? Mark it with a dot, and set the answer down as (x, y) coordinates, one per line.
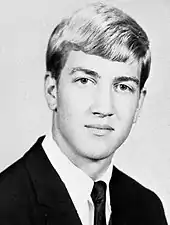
(98, 196)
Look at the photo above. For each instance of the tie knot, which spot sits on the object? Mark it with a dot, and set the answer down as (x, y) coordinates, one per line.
(98, 194)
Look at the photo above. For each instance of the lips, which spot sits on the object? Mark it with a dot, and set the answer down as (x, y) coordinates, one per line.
(100, 127)
(100, 130)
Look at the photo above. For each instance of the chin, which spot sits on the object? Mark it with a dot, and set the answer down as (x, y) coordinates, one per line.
(99, 154)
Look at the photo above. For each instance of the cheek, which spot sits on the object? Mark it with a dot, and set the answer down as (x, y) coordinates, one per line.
(125, 108)
(76, 101)
(65, 107)
(72, 105)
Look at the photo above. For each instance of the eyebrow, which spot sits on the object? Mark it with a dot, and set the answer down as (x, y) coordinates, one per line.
(86, 71)
(125, 79)
(96, 75)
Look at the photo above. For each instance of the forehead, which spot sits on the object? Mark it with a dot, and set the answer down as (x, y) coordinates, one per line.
(103, 67)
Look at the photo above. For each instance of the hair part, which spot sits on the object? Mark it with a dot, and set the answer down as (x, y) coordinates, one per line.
(99, 29)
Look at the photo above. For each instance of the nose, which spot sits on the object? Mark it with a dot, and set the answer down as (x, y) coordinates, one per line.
(103, 104)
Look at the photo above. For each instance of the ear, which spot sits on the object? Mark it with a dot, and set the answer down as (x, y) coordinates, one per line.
(140, 104)
(50, 89)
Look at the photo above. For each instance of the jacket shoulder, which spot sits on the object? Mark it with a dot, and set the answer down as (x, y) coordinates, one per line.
(17, 195)
(135, 200)
(130, 186)
(15, 186)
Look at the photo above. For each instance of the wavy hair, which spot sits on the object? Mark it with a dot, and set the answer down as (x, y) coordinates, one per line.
(103, 30)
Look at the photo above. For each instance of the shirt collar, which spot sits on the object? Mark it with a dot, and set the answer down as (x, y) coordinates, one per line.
(80, 181)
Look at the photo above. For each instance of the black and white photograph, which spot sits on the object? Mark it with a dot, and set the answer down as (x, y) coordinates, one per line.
(85, 112)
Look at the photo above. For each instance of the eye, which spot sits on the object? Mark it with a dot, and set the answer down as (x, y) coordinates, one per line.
(123, 88)
(84, 81)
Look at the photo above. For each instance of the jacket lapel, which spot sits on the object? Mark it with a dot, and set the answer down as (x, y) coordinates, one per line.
(51, 192)
(117, 198)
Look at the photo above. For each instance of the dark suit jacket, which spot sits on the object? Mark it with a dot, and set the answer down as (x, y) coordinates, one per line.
(32, 193)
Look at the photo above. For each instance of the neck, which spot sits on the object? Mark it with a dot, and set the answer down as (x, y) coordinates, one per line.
(93, 168)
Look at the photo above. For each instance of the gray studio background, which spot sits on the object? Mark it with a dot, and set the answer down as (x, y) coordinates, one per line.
(25, 27)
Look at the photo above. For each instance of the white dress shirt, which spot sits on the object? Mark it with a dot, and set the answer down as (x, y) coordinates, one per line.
(79, 185)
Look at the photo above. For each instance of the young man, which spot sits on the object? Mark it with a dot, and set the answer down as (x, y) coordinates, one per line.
(97, 63)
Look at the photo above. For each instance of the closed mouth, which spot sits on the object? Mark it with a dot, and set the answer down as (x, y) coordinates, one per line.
(100, 127)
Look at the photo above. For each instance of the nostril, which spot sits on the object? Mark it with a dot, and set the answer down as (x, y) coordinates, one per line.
(102, 115)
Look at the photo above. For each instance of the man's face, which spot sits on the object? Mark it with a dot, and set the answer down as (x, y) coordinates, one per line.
(97, 101)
